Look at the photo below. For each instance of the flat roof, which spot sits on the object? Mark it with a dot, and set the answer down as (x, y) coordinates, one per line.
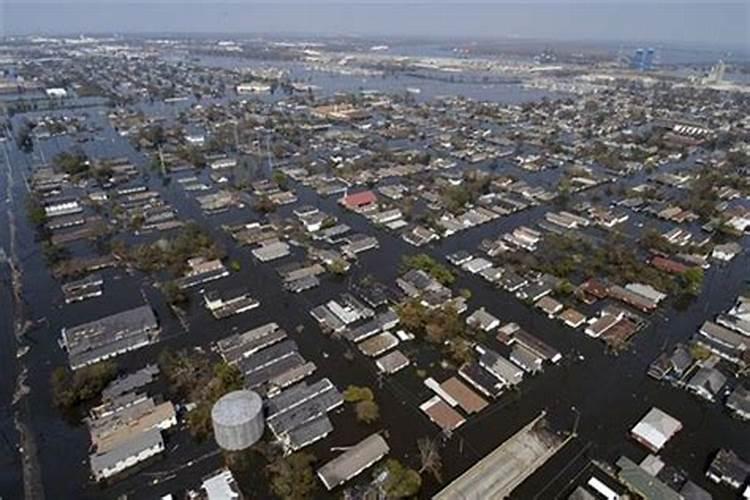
(468, 400)
(500, 472)
(442, 414)
(353, 461)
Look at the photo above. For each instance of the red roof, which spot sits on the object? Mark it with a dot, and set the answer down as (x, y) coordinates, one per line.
(668, 265)
(360, 199)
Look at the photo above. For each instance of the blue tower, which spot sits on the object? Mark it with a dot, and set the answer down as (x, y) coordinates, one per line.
(637, 60)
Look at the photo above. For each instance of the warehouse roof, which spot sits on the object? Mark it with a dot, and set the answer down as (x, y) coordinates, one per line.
(353, 461)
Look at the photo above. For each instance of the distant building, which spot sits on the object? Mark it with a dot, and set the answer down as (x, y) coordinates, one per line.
(643, 59)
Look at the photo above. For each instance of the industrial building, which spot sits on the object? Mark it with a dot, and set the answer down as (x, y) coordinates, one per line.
(298, 415)
(237, 420)
(353, 461)
(111, 336)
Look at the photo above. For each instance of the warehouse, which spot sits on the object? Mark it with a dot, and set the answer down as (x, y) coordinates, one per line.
(140, 448)
(353, 461)
(111, 336)
(241, 345)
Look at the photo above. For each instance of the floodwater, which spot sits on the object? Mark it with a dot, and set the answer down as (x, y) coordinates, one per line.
(609, 393)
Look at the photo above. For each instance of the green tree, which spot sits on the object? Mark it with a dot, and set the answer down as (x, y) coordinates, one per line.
(691, 281)
(70, 389)
(367, 412)
(292, 477)
(401, 481)
(279, 177)
(429, 265)
(35, 211)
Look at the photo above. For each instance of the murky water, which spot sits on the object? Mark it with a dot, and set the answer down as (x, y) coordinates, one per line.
(610, 393)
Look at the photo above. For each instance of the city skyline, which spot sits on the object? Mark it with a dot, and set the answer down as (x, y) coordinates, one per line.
(715, 24)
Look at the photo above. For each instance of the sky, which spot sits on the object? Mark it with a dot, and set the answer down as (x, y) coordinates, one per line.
(705, 22)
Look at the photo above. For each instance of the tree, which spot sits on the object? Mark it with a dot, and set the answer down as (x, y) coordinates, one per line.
(264, 205)
(429, 265)
(691, 281)
(365, 407)
(429, 457)
(35, 211)
(354, 393)
(401, 482)
(279, 177)
(292, 477)
(338, 266)
(367, 412)
(83, 385)
(174, 294)
(73, 163)
(194, 377)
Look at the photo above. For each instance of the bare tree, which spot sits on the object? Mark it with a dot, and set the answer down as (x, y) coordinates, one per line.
(429, 456)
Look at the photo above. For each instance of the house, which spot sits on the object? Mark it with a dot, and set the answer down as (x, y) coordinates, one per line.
(668, 265)
(524, 357)
(647, 291)
(392, 362)
(727, 251)
(598, 326)
(729, 469)
(655, 429)
(723, 341)
(359, 201)
(138, 449)
(504, 370)
(572, 318)
(549, 306)
(643, 484)
(221, 486)
(483, 320)
(442, 414)
(477, 265)
(459, 258)
(631, 298)
(707, 383)
(739, 402)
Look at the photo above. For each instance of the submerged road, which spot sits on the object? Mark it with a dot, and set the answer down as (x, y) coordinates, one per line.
(612, 393)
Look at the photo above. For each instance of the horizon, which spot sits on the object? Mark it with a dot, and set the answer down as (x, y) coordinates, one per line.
(716, 25)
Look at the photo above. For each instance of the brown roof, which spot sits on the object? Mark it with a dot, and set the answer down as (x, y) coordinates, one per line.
(668, 265)
(443, 415)
(594, 287)
(467, 399)
(619, 333)
(572, 316)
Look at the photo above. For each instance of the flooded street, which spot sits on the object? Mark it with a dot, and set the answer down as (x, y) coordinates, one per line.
(601, 395)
